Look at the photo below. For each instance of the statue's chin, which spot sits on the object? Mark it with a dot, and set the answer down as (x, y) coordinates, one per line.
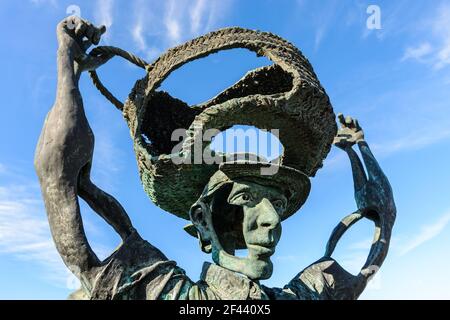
(253, 268)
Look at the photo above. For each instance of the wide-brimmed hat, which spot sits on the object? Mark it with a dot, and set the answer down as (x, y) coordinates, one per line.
(286, 96)
(294, 184)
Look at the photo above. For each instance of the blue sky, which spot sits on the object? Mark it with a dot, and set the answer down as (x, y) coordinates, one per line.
(395, 80)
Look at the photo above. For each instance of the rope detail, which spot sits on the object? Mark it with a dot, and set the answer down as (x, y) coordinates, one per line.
(116, 52)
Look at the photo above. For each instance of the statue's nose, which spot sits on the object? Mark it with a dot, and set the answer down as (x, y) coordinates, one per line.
(268, 217)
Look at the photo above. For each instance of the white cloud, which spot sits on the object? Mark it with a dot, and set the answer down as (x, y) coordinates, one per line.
(320, 32)
(427, 233)
(142, 28)
(443, 56)
(24, 231)
(437, 53)
(107, 160)
(196, 14)
(323, 18)
(417, 53)
(180, 20)
(137, 34)
(104, 15)
(441, 29)
(413, 141)
(172, 22)
(52, 3)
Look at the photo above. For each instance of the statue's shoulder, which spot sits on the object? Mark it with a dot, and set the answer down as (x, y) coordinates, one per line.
(136, 270)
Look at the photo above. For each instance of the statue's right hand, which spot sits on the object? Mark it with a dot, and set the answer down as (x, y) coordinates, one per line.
(349, 133)
(77, 34)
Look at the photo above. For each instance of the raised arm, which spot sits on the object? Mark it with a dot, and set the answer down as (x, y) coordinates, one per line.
(374, 197)
(325, 278)
(64, 154)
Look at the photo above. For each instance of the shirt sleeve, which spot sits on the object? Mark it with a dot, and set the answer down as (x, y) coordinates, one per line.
(138, 271)
(322, 280)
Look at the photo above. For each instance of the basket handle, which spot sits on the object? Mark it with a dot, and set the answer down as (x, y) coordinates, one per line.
(116, 52)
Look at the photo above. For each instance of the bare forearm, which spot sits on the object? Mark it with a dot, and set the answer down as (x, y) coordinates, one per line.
(68, 95)
(373, 168)
(66, 70)
(359, 175)
(106, 206)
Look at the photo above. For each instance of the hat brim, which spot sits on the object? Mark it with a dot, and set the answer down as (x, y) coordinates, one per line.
(294, 183)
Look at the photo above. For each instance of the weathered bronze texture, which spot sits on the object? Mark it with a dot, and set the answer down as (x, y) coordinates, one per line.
(231, 205)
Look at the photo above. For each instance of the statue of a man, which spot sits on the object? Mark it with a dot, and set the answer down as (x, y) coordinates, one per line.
(236, 210)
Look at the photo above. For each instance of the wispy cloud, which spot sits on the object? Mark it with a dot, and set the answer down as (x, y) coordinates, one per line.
(107, 160)
(24, 231)
(427, 233)
(413, 141)
(137, 34)
(196, 15)
(436, 54)
(320, 32)
(417, 53)
(179, 20)
(53, 3)
(172, 22)
(104, 15)
(328, 14)
(441, 28)
(145, 23)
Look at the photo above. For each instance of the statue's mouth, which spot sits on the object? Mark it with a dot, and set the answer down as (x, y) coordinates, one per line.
(256, 265)
(261, 251)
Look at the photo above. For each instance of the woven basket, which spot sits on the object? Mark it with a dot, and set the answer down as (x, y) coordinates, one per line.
(285, 96)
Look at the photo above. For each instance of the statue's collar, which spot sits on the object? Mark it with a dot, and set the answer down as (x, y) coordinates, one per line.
(229, 285)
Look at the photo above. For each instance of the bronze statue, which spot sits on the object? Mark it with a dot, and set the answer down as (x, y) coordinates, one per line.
(230, 204)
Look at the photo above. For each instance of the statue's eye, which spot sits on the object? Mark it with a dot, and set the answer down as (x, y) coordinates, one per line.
(278, 204)
(241, 198)
(246, 196)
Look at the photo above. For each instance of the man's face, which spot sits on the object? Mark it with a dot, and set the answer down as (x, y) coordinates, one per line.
(261, 225)
(256, 225)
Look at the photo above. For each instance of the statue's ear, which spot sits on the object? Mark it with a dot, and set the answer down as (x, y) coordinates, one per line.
(205, 245)
(198, 214)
